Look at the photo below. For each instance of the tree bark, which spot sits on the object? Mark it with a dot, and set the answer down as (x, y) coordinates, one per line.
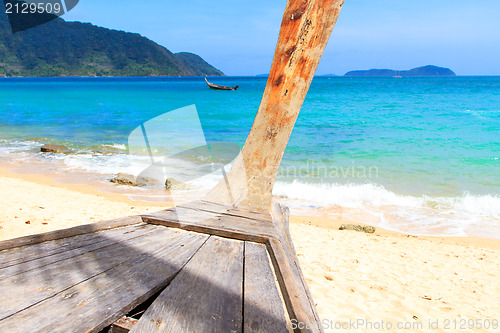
(305, 30)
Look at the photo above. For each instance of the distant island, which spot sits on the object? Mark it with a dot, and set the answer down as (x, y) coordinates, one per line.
(60, 48)
(419, 71)
(429, 70)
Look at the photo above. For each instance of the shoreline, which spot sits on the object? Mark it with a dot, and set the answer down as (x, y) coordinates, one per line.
(320, 221)
(91, 188)
(34, 204)
(331, 224)
(463, 216)
(385, 276)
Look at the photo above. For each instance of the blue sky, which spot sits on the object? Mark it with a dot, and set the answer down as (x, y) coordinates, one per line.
(239, 37)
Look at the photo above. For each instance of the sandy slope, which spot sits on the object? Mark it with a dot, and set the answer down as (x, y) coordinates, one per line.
(394, 278)
(353, 276)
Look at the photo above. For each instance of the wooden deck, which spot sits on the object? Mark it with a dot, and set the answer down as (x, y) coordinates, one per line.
(210, 268)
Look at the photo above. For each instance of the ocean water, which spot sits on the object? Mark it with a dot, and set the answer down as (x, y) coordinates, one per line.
(418, 155)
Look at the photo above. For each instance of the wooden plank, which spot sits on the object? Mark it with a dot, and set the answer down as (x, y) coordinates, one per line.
(241, 225)
(34, 286)
(184, 214)
(99, 301)
(208, 209)
(123, 325)
(18, 255)
(263, 307)
(276, 236)
(224, 226)
(79, 230)
(294, 288)
(225, 209)
(100, 241)
(196, 212)
(281, 218)
(206, 296)
(209, 206)
(248, 214)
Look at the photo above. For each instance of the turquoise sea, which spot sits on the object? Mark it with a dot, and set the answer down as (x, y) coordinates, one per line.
(419, 155)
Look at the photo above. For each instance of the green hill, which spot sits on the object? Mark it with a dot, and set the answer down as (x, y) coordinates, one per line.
(419, 71)
(60, 48)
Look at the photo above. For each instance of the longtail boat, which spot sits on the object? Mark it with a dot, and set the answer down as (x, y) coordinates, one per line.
(219, 87)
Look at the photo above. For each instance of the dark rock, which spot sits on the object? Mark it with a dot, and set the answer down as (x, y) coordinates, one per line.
(175, 185)
(357, 227)
(58, 149)
(124, 179)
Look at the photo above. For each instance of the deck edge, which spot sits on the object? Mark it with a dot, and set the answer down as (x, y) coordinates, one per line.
(70, 232)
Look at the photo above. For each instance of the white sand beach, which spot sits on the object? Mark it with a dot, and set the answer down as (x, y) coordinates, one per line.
(354, 277)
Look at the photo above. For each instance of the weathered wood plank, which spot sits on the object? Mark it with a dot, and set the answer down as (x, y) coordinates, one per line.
(225, 209)
(70, 232)
(192, 215)
(262, 228)
(206, 296)
(96, 242)
(263, 307)
(21, 254)
(281, 218)
(123, 325)
(101, 300)
(34, 286)
(219, 226)
(224, 225)
(294, 288)
(275, 235)
(183, 214)
(208, 206)
(248, 214)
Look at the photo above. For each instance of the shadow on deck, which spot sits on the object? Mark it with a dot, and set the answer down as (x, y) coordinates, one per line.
(219, 270)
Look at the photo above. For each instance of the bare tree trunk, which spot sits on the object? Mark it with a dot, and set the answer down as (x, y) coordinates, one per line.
(305, 30)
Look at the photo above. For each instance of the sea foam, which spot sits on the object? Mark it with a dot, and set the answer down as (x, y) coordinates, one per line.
(465, 215)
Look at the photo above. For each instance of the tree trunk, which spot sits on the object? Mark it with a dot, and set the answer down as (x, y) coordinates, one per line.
(305, 30)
